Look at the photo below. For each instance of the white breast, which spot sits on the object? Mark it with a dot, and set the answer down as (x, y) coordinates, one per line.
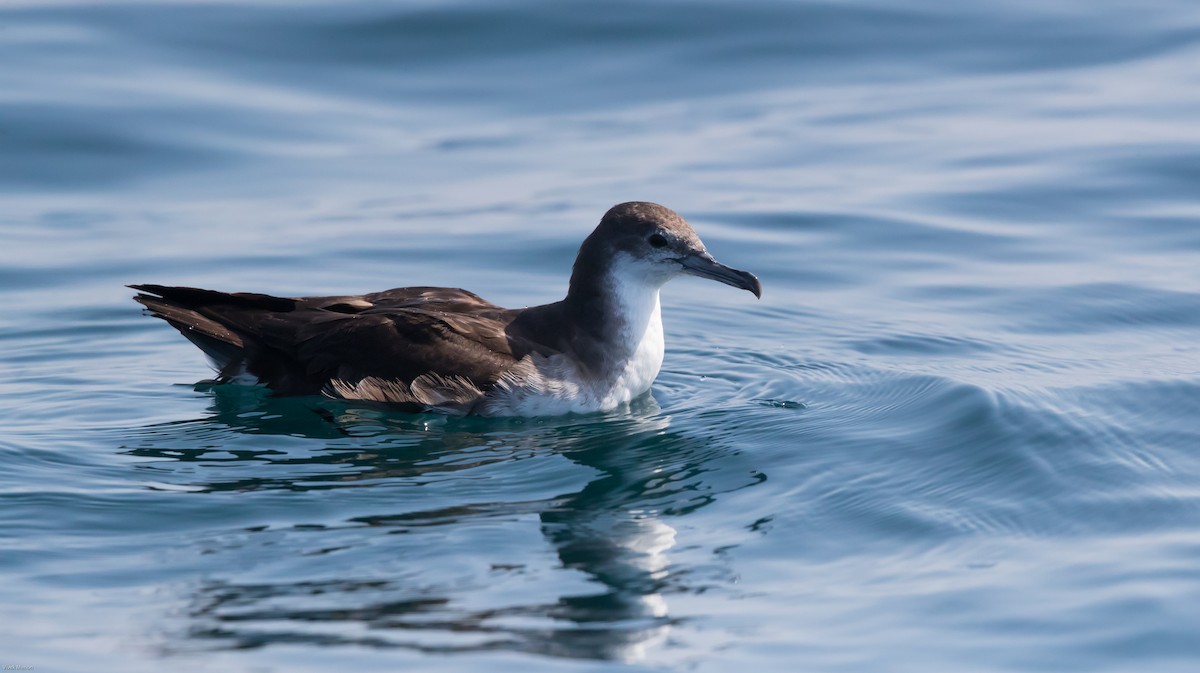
(645, 340)
(544, 386)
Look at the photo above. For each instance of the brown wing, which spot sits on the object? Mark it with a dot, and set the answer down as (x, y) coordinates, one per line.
(298, 346)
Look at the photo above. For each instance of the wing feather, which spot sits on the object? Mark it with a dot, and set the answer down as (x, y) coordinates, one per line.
(429, 346)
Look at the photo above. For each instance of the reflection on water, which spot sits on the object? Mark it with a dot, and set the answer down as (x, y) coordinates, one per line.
(614, 533)
(974, 378)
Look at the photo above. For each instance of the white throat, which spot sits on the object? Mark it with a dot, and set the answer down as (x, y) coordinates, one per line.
(639, 335)
(636, 307)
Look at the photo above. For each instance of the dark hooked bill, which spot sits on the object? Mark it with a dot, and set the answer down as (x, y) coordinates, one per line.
(703, 265)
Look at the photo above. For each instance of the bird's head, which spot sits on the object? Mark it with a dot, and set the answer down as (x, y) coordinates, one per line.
(654, 244)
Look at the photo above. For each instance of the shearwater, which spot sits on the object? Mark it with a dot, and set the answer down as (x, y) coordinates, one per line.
(448, 350)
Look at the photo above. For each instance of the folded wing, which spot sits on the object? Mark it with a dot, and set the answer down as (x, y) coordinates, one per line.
(421, 346)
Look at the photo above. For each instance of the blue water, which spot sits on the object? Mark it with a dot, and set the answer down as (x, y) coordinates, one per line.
(960, 432)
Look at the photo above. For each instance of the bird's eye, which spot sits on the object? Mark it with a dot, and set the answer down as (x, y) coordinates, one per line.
(657, 240)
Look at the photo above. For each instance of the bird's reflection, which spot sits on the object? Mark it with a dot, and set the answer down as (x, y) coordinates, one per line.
(613, 531)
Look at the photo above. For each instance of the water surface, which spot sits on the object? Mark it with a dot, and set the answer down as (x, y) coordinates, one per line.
(959, 432)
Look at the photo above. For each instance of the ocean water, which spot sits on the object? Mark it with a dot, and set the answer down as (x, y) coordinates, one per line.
(960, 432)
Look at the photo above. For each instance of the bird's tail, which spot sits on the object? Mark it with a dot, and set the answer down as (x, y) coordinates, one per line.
(183, 308)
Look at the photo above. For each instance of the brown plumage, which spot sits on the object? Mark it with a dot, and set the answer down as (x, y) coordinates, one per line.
(299, 346)
(449, 349)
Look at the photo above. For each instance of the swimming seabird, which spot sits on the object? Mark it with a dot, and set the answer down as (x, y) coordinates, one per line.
(448, 350)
